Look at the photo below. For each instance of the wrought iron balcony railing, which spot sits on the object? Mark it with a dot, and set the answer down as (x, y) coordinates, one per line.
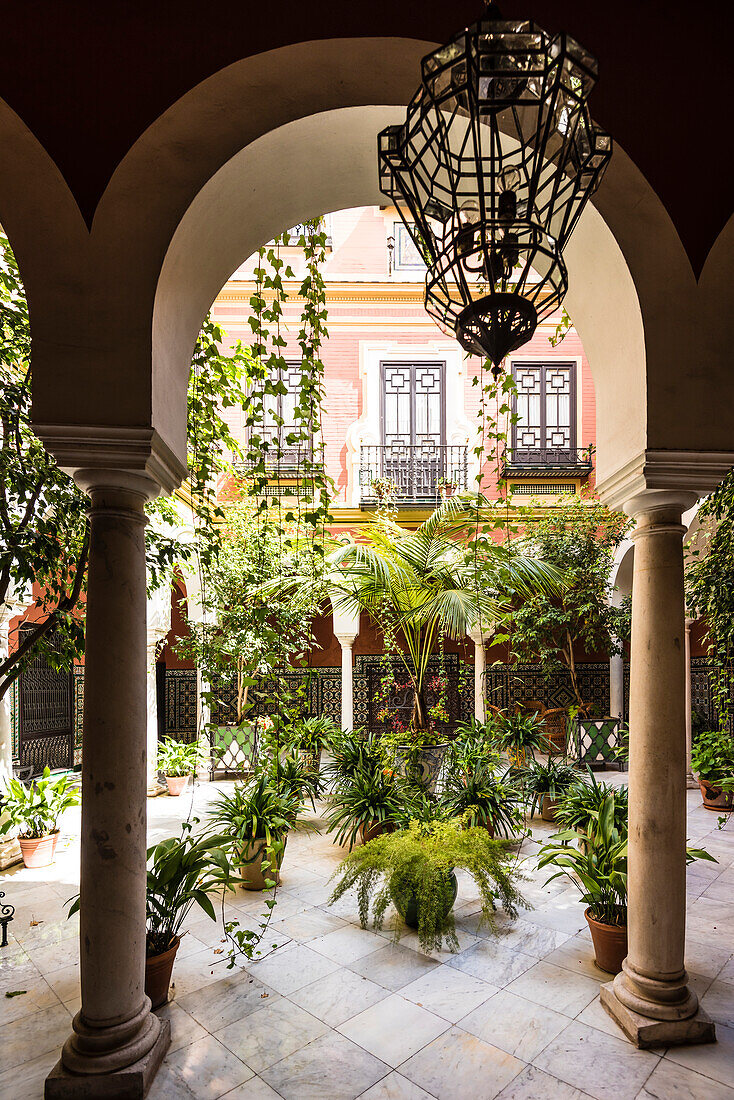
(411, 473)
(543, 462)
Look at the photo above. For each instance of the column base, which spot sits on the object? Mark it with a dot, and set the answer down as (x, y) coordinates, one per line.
(130, 1083)
(691, 782)
(645, 1032)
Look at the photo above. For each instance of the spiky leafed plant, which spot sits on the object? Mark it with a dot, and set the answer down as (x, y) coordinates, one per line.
(447, 576)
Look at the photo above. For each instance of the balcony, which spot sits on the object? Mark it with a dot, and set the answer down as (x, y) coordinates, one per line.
(547, 463)
(418, 472)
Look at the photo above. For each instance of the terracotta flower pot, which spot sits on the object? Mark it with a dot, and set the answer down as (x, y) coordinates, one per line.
(374, 829)
(158, 970)
(252, 876)
(38, 852)
(714, 799)
(610, 943)
(548, 808)
(176, 784)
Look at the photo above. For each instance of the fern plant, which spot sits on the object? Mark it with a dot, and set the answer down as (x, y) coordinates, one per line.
(414, 867)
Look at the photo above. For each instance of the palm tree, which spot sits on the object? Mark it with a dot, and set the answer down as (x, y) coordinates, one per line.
(447, 577)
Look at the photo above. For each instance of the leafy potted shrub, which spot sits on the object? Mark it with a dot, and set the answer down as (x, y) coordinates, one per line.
(352, 751)
(35, 811)
(182, 871)
(415, 869)
(178, 761)
(365, 805)
(712, 758)
(520, 736)
(598, 869)
(579, 805)
(474, 789)
(257, 816)
(544, 784)
(291, 774)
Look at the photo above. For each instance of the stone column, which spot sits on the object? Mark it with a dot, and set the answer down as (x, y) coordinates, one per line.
(158, 623)
(616, 685)
(650, 999)
(346, 629)
(115, 1031)
(346, 641)
(691, 781)
(480, 640)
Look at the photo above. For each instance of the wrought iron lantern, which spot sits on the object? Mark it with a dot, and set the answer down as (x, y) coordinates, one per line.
(490, 172)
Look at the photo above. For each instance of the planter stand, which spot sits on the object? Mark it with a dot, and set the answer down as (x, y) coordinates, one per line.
(595, 741)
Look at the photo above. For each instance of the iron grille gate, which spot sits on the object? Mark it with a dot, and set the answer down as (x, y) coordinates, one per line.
(45, 713)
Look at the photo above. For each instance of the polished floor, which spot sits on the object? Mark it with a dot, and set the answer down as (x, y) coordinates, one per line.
(334, 1012)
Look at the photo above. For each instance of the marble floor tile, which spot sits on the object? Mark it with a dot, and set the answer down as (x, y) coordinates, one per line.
(563, 913)
(395, 1087)
(195, 971)
(54, 956)
(448, 993)
(522, 935)
(330, 1067)
(668, 1081)
(514, 1024)
(270, 1034)
(393, 966)
(595, 1015)
(184, 1029)
(254, 1089)
(534, 1084)
(718, 1001)
(466, 939)
(492, 963)
(27, 1038)
(726, 974)
(458, 1065)
(577, 954)
(710, 1059)
(346, 944)
(65, 982)
(584, 1057)
(26, 1082)
(393, 1029)
(556, 988)
(706, 958)
(338, 996)
(203, 1070)
(19, 975)
(292, 967)
(231, 998)
(309, 924)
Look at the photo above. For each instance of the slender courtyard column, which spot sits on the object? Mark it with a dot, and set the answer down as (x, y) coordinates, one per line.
(616, 685)
(346, 641)
(7, 611)
(114, 1032)
(650, 998)
(691, 781)
(158, 623)
(480, 665)
(346, 629)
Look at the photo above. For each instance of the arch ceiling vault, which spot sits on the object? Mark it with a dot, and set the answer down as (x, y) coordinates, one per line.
(144, 154)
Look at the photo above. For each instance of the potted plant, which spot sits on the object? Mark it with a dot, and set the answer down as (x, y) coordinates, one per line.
(447, 486)
(473, 789)
(35, 811)
(579, 805)
(178, 761)
(182, 871)
(415, 869)
(365, 804)
(543, 785)
(257, 816)
(291, 775)
(598, 868)
(712, 758)
(520, 736)
(351, 752)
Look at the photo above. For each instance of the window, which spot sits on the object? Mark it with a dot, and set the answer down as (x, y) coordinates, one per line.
(413, 410)
(546, 408)
(279, 419)
(407, 256)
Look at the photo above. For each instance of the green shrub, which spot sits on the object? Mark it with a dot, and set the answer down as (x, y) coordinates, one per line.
(489, 801)
(35, 809)
(536, 780)
(415, 864)
(178, 758)
(579, 806)
(712, 756)
(368, 797)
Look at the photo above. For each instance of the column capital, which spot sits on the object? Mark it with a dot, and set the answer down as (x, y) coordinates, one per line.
(480, 637)
(96, 455)
(346, 640)
(659, 505)
(695, 472)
